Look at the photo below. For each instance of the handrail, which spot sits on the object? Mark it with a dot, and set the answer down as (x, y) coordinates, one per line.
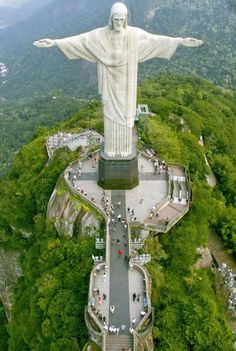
(90, 202)
(176, 219)
(129, 241)
(163, 203)
(137, 334)
(89, 326)
(104, 341)
(140, 334)
(107, 221)
(148, 318)
(148, 291)
(94, 205)
(108, 241)
(75, 136)
(161, 228)
(147, 156)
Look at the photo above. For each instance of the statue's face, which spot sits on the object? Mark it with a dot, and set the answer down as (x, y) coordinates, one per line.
(118, 22)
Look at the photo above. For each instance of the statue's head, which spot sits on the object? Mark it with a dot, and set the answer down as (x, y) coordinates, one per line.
(118, 17)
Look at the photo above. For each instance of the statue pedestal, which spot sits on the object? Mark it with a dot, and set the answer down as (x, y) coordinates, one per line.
(118, 172)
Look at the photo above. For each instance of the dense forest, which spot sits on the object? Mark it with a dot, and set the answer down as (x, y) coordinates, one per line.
(49, 299)
(189, 315)
(19, 121)
(32, 71)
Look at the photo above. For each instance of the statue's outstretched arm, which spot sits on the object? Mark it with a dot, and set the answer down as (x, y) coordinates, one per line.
(44, 43)
(192, 42)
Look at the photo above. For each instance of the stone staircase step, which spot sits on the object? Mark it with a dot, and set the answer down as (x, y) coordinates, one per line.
(117, 342)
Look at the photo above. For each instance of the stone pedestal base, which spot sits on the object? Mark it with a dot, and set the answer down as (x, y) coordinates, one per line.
(118, 173)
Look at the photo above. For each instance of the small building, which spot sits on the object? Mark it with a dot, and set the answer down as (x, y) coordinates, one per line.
(142, 111)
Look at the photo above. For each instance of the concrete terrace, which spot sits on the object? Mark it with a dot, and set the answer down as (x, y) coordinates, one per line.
(119, 315)
(119, 297)
(150, 200)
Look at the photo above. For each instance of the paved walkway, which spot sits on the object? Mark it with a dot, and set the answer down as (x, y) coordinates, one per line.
(152, 187)
(100, 299)
(119, 282)
(211, 179)
(136, 286)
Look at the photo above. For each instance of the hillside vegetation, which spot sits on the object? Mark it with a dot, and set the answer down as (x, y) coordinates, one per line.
(188, 314)
(49, 298)
(20, 121)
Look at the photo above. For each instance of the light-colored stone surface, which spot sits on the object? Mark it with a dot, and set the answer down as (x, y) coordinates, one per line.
(64, 210)
(117, 49)
(205, 260)
(145, 165)
(211, 179)
(136, 285)
(152, 193)
(102, 283)
(72, 141)
(10, 271)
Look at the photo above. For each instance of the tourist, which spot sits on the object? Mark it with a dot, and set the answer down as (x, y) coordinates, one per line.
(120, 253)
(112, 308)
(104, 276)
(111, 329)
(134, 296)
(131, 330)
(99, 300)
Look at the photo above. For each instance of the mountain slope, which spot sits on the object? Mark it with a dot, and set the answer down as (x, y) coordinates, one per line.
(49, 298)
(18, 11)
(34, 71)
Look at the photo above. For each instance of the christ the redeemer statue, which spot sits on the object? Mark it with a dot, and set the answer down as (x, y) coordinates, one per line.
(117, 49)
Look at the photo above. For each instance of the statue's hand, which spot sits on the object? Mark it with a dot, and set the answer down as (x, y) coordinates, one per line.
(192, 42)
(44, 43)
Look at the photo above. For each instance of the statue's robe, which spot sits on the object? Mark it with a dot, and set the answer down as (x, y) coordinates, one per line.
(117, 75)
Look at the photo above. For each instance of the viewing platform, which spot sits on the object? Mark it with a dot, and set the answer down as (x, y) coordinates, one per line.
(160, 200)
(119, 312)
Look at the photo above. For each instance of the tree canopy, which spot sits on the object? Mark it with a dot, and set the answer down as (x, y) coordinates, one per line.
(49, 299)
